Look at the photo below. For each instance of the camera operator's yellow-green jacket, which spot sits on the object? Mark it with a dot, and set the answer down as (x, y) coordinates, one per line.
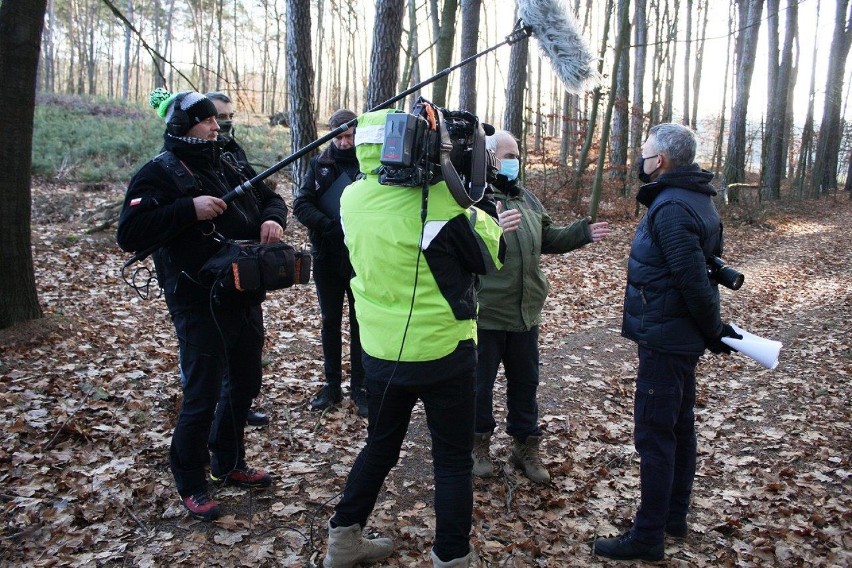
(512, 298)
(394, 275)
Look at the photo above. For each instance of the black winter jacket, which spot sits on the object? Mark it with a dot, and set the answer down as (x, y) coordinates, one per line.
(155, 209)
(317, 203)
(670, 303)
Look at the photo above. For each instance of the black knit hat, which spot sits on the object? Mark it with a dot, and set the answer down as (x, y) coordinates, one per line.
(184, 110)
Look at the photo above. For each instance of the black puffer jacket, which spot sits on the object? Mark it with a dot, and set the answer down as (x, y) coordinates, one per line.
(156, 209)
(317, 203)
(670, 304)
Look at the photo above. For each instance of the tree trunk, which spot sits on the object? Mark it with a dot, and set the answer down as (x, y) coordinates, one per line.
(720, 136)
(830, 131)
(640, 26)
(750, 12)
(470, 10)
(412, 65)
(47, 68)
(621, 120)
(671, 25)
(300, 78)
(321, 53)
(703, 9)
(128, 35)
(848, 187)
(513, 116)
(384, 59)
(446, 39)
(220, 44)
(620, 43)
(806, 147)
(686, 63)
(537, 136)
(20, 37)
(657, 62)
(777, 112)
(596, 97)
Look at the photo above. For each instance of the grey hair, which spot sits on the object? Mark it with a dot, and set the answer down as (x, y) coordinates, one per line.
(218, 96)
(676, 141)
(491, 141)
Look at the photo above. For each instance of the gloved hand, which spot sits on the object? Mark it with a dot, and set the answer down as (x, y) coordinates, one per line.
(717, 346)
(332, 236)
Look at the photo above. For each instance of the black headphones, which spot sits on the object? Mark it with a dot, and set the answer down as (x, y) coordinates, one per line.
(179, 123)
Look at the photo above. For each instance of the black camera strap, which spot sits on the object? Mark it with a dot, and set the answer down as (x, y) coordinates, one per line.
(454, 182)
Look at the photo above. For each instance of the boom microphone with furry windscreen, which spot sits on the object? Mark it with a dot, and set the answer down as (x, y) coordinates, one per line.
(561, 42)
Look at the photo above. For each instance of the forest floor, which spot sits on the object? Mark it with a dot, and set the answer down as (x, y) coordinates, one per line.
(89, 395)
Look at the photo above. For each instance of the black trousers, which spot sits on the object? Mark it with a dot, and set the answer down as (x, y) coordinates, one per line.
(331, 276)
(220, 365)
(448, 397)
(518, 351)
(664, 434)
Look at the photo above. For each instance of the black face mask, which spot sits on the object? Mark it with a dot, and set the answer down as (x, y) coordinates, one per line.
(640, 166)
(226, 129)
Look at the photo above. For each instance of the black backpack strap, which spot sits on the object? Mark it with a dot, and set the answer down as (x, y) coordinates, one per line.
(180, 174)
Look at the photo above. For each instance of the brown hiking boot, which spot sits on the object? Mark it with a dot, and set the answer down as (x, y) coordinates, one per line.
(482, 464)
(347, 546)
(525, 455)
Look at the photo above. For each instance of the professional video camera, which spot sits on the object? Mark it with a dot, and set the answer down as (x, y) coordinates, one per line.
(432, 144)
(724, 274)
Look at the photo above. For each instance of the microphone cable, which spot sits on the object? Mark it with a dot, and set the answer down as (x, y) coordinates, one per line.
(353, 473)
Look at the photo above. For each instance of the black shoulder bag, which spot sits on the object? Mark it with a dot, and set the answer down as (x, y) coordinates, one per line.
(248, 266)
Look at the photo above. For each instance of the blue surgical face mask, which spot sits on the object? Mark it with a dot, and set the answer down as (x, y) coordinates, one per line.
(510, 168)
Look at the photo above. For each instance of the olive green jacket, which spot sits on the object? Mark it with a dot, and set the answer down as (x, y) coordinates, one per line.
(512, 298)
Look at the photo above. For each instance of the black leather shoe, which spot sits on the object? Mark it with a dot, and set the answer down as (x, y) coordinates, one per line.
(677, 529)
(625, 548)
(328, 396)
(360, 400)
(254, 418)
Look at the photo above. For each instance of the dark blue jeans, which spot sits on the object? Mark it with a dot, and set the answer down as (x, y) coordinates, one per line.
(664, 434)
(331, 276)
(449, 415)
(220, 365)
(518, 352)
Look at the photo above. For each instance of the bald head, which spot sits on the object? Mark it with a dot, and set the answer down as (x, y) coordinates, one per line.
(505, 148)
(503, 144)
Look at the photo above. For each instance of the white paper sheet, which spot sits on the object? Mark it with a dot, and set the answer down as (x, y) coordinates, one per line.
(764, 351)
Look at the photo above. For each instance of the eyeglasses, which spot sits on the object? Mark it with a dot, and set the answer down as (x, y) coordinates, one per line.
(648, 157)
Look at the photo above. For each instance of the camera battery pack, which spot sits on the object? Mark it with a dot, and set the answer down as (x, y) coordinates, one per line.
(401, 133)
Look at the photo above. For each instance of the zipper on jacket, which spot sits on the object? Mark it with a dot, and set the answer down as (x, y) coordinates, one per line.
(644, 305)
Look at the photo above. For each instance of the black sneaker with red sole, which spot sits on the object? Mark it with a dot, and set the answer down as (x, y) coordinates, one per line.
(247, 477)
(201, 506)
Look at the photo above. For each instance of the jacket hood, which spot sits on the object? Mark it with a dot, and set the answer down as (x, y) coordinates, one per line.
(369, 136)
(691, 178)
